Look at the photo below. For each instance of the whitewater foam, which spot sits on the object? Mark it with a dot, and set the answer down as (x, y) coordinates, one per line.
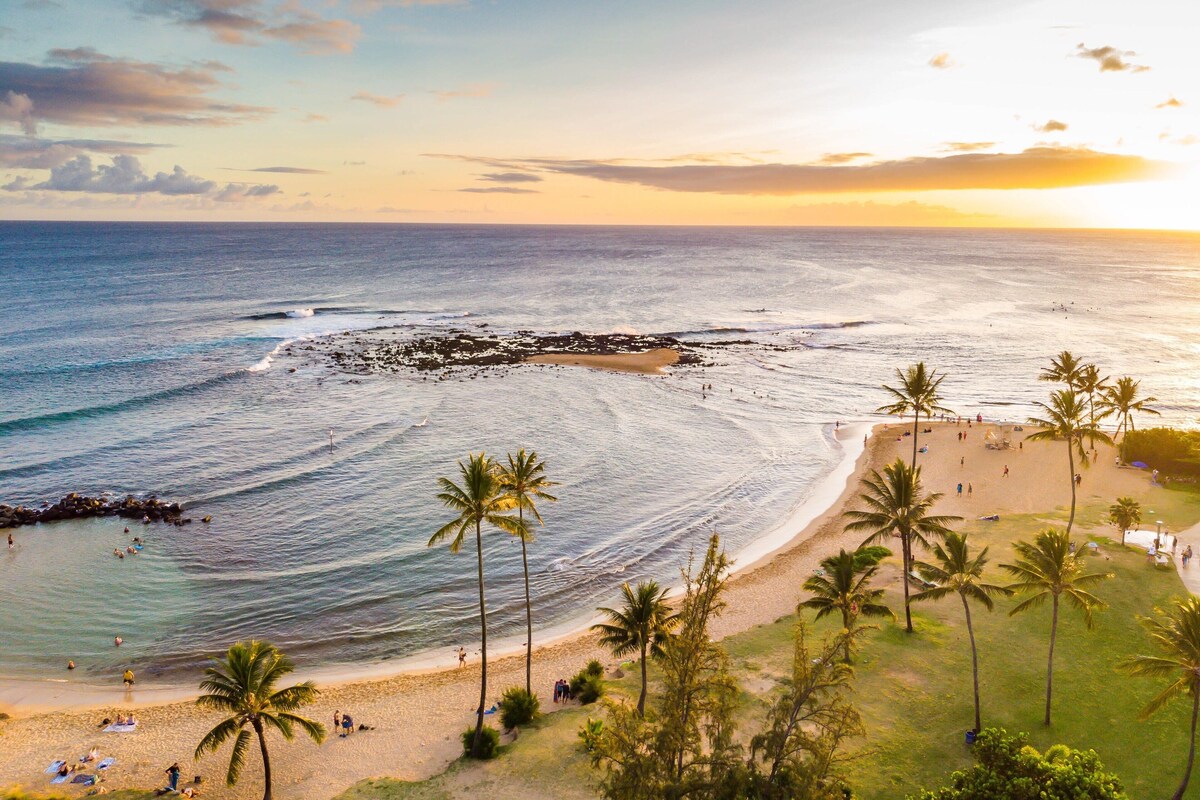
(300, 313)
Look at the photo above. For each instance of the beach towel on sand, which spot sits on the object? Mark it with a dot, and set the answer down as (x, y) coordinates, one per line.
(60, 779)
(106, 763)
(53, 768)
(86, 780)
(121, 728)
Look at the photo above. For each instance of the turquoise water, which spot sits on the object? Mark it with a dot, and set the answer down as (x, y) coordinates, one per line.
(151, 359)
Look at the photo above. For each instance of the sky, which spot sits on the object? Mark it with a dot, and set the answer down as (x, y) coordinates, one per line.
(861, 112)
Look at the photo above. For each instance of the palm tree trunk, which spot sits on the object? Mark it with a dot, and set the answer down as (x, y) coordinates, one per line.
(916, 419)
(1071, 462)
(1050, 660)
(906, 550)
(528, 612)
(262, 745)
(846, 628)
(1187, 773)
(641, 707)
(974, 661)
(475, 752)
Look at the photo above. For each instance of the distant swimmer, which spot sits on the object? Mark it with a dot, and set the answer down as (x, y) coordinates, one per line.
(70, 665)
(117, 641)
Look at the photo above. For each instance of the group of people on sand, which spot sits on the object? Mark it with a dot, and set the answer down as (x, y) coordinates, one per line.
(173, 773)
(562, 691)
(120, 720)
(345, 723)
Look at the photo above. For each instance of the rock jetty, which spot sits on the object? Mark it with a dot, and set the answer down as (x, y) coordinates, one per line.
(77, 506)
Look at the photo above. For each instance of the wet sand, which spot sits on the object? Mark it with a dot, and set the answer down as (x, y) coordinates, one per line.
(651, 362)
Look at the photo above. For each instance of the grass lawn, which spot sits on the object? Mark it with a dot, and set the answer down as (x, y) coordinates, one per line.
(914, 691)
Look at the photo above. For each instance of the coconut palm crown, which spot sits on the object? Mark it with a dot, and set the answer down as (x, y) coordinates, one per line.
(243, 686)
(917, 392)
(642, 624)
(1063, 420)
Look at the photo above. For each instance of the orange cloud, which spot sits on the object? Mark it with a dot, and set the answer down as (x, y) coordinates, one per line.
(383, 101)
(1049, 167)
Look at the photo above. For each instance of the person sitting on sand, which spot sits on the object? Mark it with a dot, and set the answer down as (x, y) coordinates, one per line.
(130, 720)
(120, 719)
(64, 770)
(92, 755)
(190, 791)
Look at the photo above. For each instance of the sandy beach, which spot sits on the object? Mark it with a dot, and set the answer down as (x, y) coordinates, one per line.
(650, 362)
(418, 716)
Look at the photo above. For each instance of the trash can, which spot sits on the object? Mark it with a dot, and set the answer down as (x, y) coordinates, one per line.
(970, 737)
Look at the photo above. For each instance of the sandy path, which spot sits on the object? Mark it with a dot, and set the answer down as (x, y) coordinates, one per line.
(419, 716)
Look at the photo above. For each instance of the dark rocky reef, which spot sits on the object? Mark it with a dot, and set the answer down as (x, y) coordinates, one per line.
(77, 506)
(432, 353)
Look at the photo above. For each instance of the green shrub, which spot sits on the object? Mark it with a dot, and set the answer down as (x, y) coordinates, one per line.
(517, 707)
(591, 732)
(591, 690)
(594, 668)
(1171, 451)
(489, 741)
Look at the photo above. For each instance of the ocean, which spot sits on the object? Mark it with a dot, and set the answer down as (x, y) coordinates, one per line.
(155, 359)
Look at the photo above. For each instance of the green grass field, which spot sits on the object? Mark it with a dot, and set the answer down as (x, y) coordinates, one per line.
(914, 691)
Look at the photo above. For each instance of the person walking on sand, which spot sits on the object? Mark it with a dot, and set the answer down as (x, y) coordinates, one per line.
(970, 489)
(11, 543)
(962, 461)
(1187, 555)
(462, 657)
(1006, 470)
(127, 678)
(173, 777)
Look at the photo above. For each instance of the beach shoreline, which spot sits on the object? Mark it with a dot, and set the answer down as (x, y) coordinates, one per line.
(649, 362)
(418, 714)
(22, 697)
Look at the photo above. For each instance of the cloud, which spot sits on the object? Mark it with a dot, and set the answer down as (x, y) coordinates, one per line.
(942, 61)
(84, 87)
(18, 108)
(470, 90)
(383, 101)
(841, 158)
(510, 177)
(247, 22)
(1035, 168)
(28, 152)
(1170, 102)
(966, 147)
(315, 118)
(369, 6)
(1050, 126)
(285, 170)
(1109, 58)
(126, 176)
(498, 190)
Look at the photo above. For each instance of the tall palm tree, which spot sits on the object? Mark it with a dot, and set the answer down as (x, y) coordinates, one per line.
(1063, 421)
(1121, 400)
(842, 586)
(917, 393)
(523, 481)
(1047, 569)
(641, 625)
(476, 501)
(956, 572)
(1091, 384)
(896, 508)
(1126, 513)
(1176, 633)
(1064, 368)
(242, 685)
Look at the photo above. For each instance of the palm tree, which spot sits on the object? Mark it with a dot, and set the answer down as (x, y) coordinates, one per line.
(1047, 568)
(1064, 368)
(641, 626)
(1091, 384)
(896, 508)
(957, 572)
(1126, 513)
(917, 393)
(1121, 399)
(524, 482)
(1064, 422)
(242, 685)
(477, 500)
(1177, 635)
(842, 586)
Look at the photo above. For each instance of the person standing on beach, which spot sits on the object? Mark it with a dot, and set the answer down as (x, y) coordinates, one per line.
(960, 490)
(970, 489)
(173, 777)
(11, 543)
(1006, 470)
(462, 657)
(127, 678)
